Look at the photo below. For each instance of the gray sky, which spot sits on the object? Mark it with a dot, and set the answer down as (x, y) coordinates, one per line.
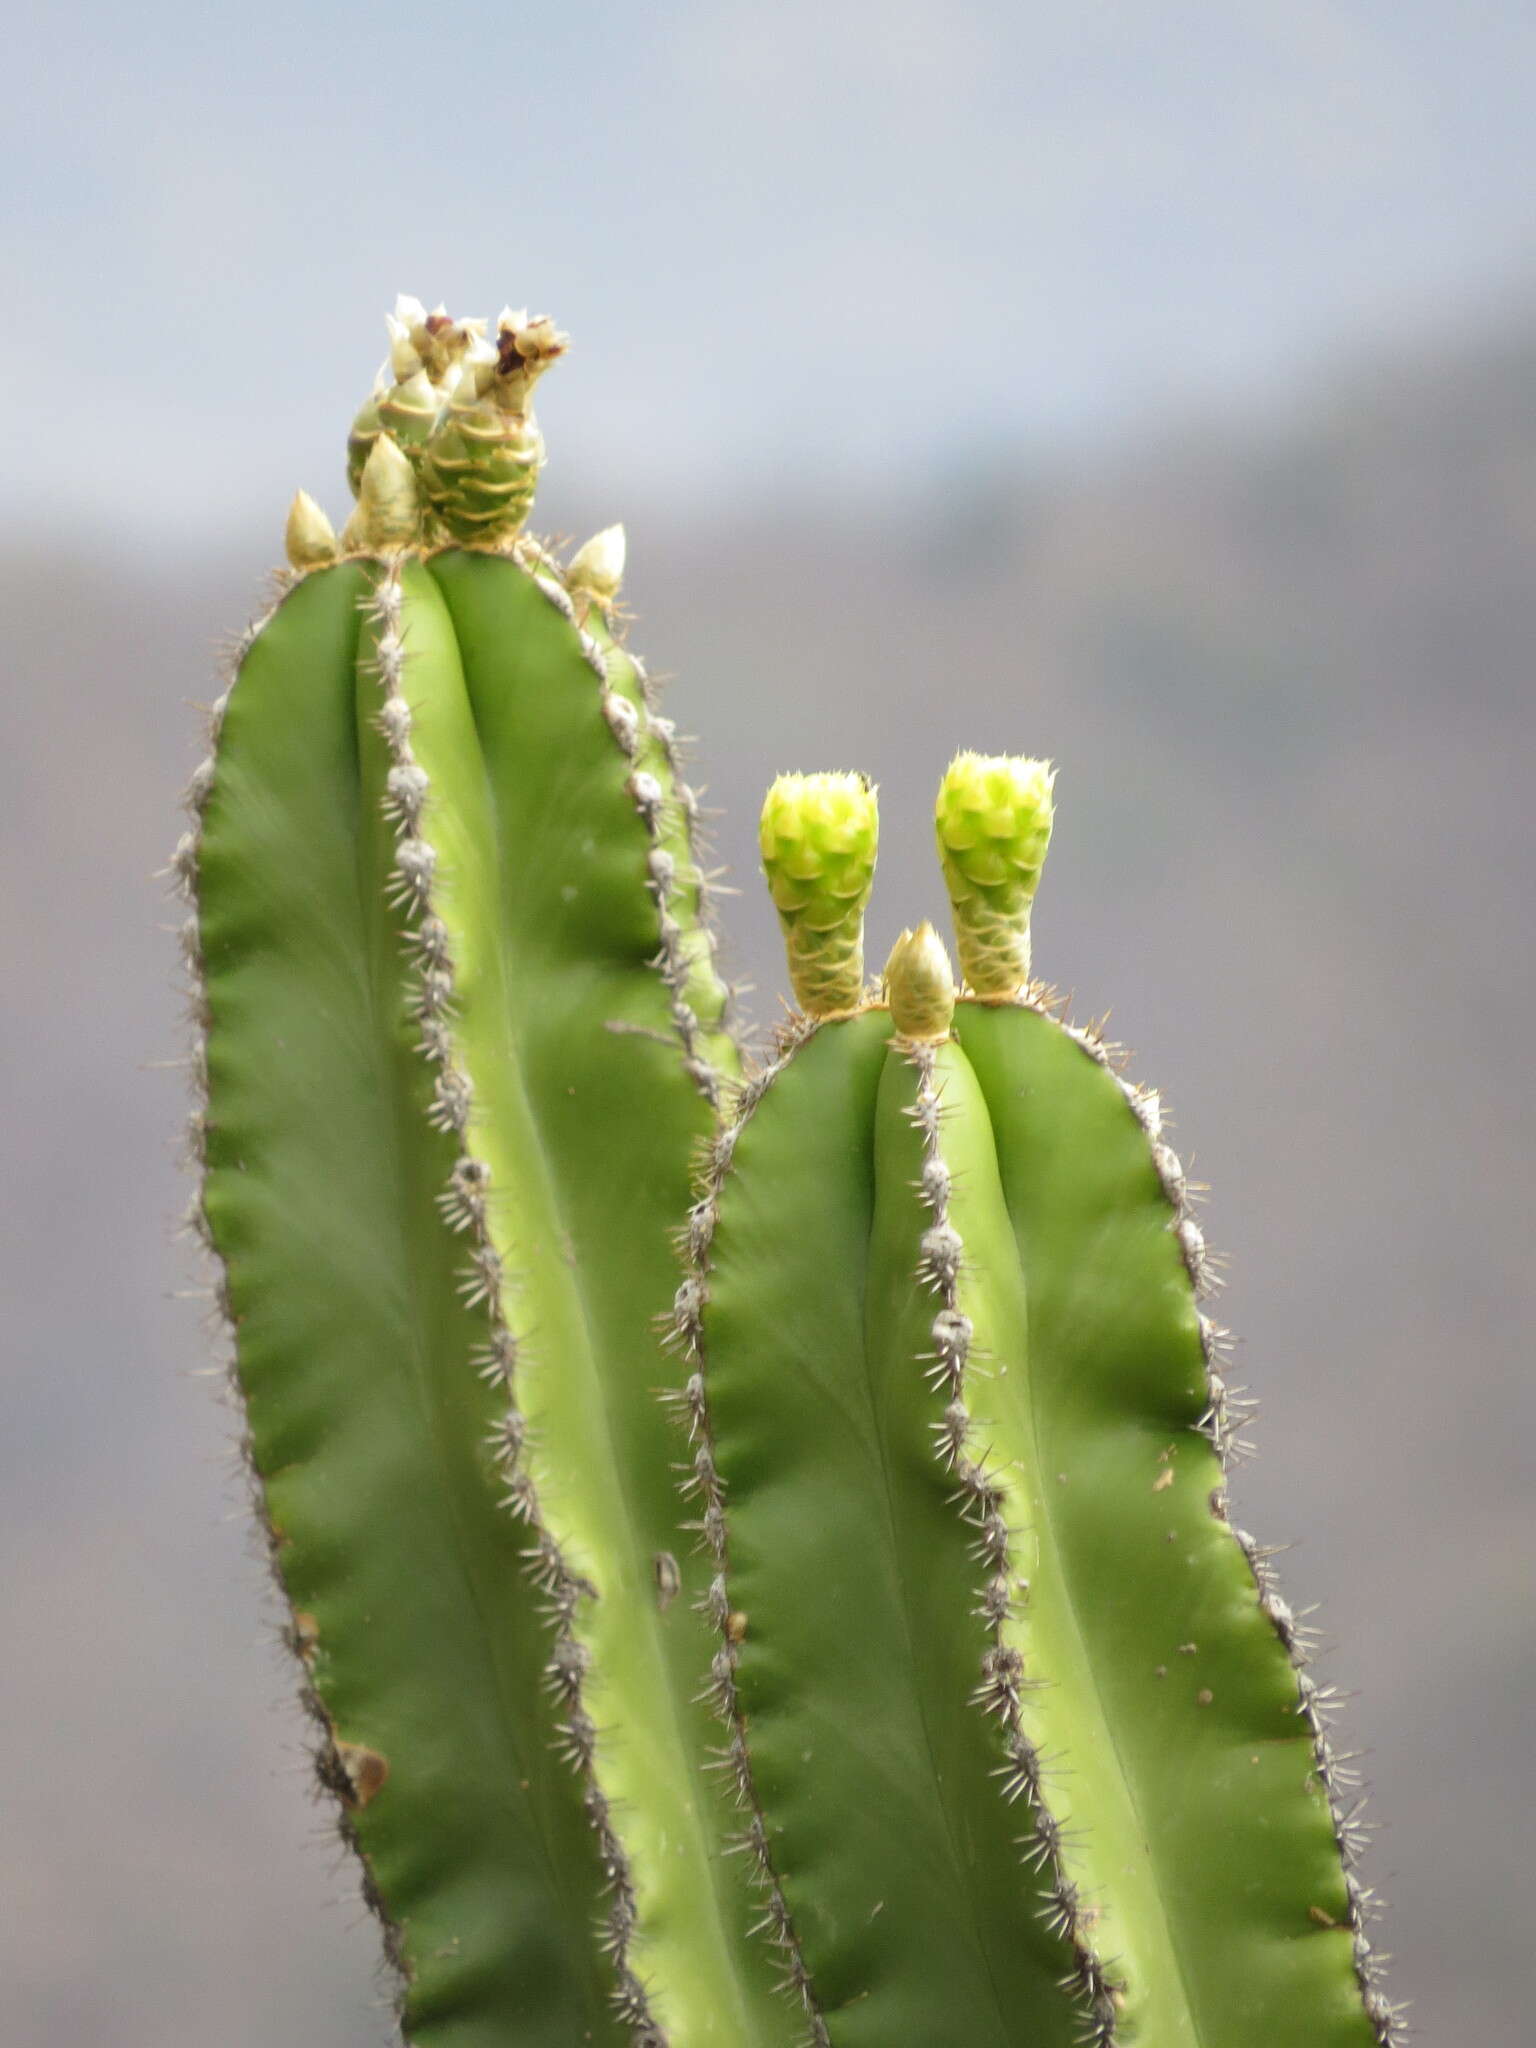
(810, 242)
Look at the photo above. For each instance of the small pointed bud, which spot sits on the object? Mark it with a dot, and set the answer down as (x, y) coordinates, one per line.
(410, 312)
(404, 362)
(819, 835)
(310, 538)
(475, 378)
(920, 985)
(993, 821)
(597, 568)
(388, 512)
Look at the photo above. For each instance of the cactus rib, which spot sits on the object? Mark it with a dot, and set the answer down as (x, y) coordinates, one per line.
(989, 1499)
(341, 1288)
(465, 1203)
(565, 1151)
(703, 1487)
(848, 1635)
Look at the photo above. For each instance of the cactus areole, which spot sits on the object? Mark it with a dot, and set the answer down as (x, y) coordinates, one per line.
(785, 1599)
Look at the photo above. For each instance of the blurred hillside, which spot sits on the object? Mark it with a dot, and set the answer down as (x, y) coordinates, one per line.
(1285, 666)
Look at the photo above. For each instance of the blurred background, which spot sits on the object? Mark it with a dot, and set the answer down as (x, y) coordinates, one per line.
(1153, 386)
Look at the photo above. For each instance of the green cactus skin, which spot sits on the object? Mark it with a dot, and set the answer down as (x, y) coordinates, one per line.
(439, 856)
(1019, 1721)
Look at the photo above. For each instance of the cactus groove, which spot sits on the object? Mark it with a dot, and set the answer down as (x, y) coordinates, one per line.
(943, 1704)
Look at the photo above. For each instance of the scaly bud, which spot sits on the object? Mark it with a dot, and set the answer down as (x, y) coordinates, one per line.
(310, 538)
(597, 567)
(388, 511)
(483, 460)
(920, 985)
(818, 836)
(993, 820)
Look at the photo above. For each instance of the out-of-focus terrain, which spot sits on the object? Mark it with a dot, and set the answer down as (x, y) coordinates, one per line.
(1286, 669)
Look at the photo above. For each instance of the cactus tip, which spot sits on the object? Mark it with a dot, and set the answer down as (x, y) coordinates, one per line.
(920, 985)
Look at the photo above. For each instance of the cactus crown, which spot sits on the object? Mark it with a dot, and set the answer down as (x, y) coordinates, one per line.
(459, 408)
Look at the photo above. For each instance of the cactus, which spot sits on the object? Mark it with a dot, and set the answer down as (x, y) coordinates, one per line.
(462, 1034)
(944, 1698)
(1020, 1724)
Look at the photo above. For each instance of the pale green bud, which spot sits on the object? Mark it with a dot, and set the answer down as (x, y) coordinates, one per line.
(404, 361)
(388, 514)
(920, 985)
(310, 538)
(597, 567)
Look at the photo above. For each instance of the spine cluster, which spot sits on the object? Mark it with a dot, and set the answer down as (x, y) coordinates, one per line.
(984, 1504)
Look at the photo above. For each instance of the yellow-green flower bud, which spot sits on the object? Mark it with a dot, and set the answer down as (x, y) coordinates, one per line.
(993, 820)
(310, 539)
(819, 835)
(920, 985)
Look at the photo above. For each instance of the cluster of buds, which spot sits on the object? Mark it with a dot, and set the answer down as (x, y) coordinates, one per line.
(818, 839)
(445, 446)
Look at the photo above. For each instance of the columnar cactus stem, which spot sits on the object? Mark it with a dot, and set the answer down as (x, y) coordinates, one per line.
(965, 1425)
(463, 1032)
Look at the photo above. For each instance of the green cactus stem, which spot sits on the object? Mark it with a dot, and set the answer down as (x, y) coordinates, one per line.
(1020, 1723)
(818, 835)
(462, 1032)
